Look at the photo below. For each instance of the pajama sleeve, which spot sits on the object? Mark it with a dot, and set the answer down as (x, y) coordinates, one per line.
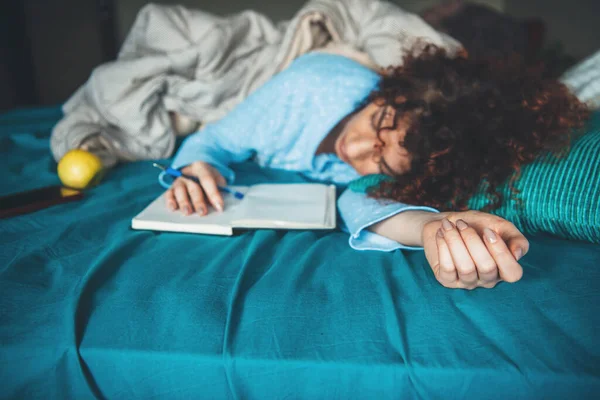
(358, 212)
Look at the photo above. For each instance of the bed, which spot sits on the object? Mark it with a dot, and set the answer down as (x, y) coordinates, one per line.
(92, 309)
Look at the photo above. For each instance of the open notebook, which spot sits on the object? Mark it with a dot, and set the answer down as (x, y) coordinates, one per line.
(265, 206)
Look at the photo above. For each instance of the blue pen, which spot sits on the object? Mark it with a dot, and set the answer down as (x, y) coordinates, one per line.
(176, 173)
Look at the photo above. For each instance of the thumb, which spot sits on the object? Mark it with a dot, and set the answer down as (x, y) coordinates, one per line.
(516, 242)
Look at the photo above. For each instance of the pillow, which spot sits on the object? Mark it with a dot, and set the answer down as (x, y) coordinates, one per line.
(558, 197)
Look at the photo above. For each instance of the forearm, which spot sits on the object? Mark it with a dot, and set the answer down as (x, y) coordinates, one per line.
(406, 227)
(214, 146)
(361, 213)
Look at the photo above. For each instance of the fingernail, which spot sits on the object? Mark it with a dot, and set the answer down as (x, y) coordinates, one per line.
(461, 225)
(171, 206)
(440, 233)
(490, 235)
(201, 210)
(518, 254)
(219, 207)
(186, 210)
(447, 224)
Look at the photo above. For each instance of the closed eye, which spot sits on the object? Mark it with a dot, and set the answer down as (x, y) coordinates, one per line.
(379, 117)
(387, 120)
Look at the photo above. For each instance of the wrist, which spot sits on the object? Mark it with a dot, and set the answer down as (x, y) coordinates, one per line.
(430, 224)
(406, 227)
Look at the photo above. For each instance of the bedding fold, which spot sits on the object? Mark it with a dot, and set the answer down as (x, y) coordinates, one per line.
(92, 309)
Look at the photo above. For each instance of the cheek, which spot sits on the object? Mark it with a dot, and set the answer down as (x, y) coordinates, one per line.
(367, 167)
(398, 159)
(406, 163)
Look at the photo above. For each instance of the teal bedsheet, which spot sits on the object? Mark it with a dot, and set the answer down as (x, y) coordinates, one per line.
(90, 308)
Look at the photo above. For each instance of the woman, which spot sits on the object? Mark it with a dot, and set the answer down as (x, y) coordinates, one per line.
(436, 127)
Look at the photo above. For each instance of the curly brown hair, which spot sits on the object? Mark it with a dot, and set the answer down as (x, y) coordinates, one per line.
(473, 123)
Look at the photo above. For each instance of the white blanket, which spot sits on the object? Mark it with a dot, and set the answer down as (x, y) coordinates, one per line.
(181, 65)
(583, 79)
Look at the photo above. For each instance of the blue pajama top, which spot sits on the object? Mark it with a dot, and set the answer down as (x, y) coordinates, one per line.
(281, 124)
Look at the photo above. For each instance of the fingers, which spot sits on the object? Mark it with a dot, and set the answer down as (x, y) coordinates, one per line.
(465, 267)
(209, 184)
(446, 273)
(197, 196)
(186, 196)
(170, 200)
(508, 268)
(220, 180)
(477, 256)
(486, 267)
(189, 196)
(182, 198)
(516, 241)
(212, 192)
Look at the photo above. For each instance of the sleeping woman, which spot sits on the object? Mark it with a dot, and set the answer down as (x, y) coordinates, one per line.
(437, 127)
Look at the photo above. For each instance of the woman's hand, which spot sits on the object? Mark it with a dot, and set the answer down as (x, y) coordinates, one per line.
(474, 249)
(188, 196)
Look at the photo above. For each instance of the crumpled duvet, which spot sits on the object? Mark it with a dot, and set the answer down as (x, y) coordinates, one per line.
(583, 79)
(180, 67)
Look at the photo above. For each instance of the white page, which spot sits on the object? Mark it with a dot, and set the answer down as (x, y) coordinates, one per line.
(284, 205)
(158, 217)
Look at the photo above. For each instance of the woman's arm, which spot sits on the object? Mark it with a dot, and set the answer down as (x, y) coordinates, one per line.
(465, 249)
(407, 226)
(205, 155)
(361, 213)
(460, 254)
(215, 145)
(236, 137)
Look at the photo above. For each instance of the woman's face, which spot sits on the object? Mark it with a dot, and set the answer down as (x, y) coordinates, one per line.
(359, 145)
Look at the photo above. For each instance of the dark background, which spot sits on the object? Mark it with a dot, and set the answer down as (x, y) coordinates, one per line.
(48, 48)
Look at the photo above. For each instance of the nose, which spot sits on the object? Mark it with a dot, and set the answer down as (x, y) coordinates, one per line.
(364, 147)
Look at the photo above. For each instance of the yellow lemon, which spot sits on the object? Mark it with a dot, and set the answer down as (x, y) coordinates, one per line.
(79, 169)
